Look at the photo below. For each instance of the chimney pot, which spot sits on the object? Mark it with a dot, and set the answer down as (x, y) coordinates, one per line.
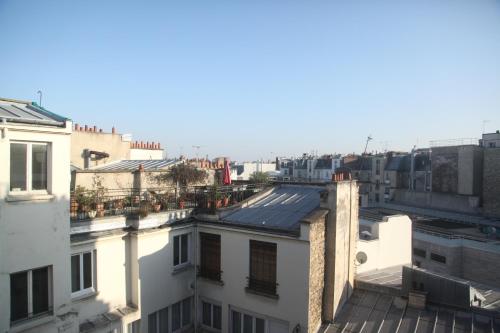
(113, 130)
(86, 128)
(100, 130)
(95, 128)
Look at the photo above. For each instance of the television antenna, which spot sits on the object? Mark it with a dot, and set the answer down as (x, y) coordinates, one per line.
(197, 147)
(39, 92)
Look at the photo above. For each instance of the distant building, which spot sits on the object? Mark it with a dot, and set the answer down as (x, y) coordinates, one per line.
(92, 147)
(315, 168)
(243, 171)
(491, 174)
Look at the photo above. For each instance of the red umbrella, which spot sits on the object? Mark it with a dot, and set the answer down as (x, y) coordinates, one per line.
(227, 174)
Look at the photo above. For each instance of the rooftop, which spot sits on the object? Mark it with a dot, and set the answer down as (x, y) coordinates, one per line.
(132, 165)
(283, 207)
(16, 111)
(372, 311)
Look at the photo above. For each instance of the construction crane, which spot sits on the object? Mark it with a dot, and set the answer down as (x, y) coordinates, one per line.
(368, 139)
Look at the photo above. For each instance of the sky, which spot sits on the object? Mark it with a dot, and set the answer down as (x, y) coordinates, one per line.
(256, 79)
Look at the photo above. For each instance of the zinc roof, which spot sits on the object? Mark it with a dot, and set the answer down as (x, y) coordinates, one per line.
(27, 112)
(131, 165)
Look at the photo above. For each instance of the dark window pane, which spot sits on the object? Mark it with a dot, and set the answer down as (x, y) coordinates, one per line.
(259, 325)
(164, 320)
(210, 256)
(176, 250)
(236, 322)
(217, 315)
(176, 316)
(263, 266)
(207, 314)
(152, 323)
(186, 312)
(87, 270)
(75, 273)
(18, 167)
(40, 290)
(39, 167)
(18, 296)
(184, 249)
(247, 324)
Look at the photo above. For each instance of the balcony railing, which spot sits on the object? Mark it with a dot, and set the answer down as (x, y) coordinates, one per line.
(262, 286)
(90, 204)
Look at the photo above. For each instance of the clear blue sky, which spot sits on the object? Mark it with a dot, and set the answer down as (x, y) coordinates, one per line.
(247, 78)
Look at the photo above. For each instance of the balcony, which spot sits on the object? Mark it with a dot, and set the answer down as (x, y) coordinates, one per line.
(210, 273)
(88, 205)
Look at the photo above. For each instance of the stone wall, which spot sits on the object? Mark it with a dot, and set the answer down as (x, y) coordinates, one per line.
(491, 182)
(316, 271)
(445, 169)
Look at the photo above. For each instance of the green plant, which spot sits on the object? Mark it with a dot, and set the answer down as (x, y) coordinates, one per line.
(259, 177)
(84, 198)
(183, 175)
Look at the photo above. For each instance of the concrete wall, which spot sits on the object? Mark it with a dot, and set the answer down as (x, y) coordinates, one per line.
(491, 182)
(146, 154)
(391, 245)
(113, 144)
(34, 228)
(445, 201)
(450, 248)
(457, 170)
(292, 276)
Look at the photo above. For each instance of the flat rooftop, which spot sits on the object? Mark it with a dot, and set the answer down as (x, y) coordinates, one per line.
(281, 208)
(392, 277)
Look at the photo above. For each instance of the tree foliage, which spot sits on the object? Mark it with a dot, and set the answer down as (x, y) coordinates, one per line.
(183, 174)
(259, 177)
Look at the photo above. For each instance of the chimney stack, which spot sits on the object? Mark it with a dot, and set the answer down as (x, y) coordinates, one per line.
(113, 130)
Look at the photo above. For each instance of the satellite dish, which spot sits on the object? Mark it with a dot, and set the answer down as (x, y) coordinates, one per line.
(366, 234)
(361, 257)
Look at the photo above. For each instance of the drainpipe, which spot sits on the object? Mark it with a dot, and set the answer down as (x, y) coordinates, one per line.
(195, 238)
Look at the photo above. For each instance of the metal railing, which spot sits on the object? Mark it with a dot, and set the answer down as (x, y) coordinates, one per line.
(90, 204)
(209, 273)
(262, 286)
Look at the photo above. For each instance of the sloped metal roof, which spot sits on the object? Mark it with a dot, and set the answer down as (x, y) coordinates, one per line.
(27, 112)
(131, 165)
(371, 311)
(282, 208)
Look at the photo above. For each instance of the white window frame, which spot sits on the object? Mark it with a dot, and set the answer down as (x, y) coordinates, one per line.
(91, 289)
(29, 171)
(157, 319)
(188, 260)
(242, 322)
(171, 318)
(212, 304)
(30, 295)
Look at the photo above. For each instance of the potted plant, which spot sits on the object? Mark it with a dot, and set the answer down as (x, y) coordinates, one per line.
(218, 200)
(83, 199)
(182, 202)
(225, 200)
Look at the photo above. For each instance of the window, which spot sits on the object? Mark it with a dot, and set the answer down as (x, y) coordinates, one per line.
(210, 256)
(211, 315)
(262, 267)
(181, 249)
(28, 167)
(181, 314)
(158, 321)
(82, 273)
(439, 258)
(377, 167)
(134, 327)
(246, 323)
(419, 252)
(30, 294)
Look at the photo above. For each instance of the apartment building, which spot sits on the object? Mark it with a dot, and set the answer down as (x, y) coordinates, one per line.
(281, 260)
(243, 171)
(92, 146)
(315, 168)
(34, 230)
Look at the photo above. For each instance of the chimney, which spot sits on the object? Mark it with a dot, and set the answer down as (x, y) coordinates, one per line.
(86, 128)
(113, 130)
(417, 299)
(76, 126)
(100, 130)
(95, 129)
(341, 199)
